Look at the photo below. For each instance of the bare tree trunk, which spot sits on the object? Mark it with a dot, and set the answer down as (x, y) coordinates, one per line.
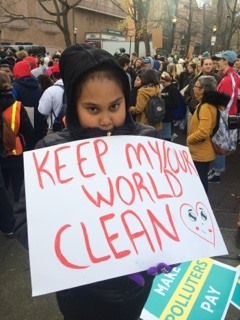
(142, 12)
(204, 46)
(147, 44)
(188, 42)
(220, 33)
(66, 32)
(231, 20)
(136, 47)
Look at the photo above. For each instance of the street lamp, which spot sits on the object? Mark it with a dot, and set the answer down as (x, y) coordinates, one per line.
(182, 46)
(226, 32)
(213, 38)
(75, 35)
(130, 34)
(174, 22)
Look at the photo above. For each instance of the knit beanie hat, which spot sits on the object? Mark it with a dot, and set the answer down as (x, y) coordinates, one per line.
(21, 69)
(55, 68)
(32, 61)
(79, 60)
(166, 76)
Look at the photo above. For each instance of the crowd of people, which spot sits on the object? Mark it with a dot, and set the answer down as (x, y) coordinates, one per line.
(23, 78)
(192, 90)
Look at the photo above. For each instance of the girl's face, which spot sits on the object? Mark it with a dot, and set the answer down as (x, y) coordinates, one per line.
(101, 104)
(165, 83)
(137, 82)
(189, 68)
(138, 63)
(207, 66)
(199, 67)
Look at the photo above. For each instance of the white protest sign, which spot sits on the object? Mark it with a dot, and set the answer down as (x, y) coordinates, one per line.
(111, 206)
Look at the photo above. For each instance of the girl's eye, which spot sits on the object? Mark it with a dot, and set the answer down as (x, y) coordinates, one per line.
(92, 109)
(115, 106)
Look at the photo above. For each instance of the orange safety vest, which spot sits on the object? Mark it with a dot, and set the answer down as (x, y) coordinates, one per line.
(12, 116)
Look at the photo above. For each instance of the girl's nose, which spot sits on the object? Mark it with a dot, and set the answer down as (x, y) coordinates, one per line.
(105, 119)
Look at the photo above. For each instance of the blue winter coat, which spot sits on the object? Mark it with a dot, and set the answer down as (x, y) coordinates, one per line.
(27, 91)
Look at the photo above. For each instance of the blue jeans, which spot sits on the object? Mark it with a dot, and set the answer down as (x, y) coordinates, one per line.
(166, 132)
(202, 169)
(218, 164)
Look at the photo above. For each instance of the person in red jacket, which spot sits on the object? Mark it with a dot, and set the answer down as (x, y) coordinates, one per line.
(230, 84)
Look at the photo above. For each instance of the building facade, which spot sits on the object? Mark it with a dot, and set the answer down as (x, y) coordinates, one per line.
(88, 16)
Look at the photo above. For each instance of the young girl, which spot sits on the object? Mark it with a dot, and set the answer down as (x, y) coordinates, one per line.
(97, 91)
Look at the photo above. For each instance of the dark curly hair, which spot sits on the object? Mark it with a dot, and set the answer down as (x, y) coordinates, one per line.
(150, 76)
(44, 82)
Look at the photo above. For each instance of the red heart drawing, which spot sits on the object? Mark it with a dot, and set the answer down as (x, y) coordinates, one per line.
(199, 221)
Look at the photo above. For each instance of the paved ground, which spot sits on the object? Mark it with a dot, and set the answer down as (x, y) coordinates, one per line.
(16, 302)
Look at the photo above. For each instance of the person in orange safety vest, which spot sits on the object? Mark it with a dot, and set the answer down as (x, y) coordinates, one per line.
(14, 113)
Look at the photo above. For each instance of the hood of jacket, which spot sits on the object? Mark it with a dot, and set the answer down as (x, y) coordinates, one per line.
(6, 100)
(77, 132)
(215, 98)
(29, 83)
(76, 62)
(21, 69)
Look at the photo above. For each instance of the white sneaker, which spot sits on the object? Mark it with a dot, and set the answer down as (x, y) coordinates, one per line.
(214, 179)
(174, 137)
(211, 173)
(176, 123)
(182, 125)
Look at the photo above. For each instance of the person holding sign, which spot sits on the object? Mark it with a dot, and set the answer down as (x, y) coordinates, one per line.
(97, 91)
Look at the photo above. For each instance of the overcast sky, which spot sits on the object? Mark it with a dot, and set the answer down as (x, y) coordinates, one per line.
(201, 2)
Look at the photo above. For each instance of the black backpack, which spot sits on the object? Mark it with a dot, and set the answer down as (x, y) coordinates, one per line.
(58, 123)
(155, 110)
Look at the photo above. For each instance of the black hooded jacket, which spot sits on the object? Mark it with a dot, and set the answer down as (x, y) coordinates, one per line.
(28, 92)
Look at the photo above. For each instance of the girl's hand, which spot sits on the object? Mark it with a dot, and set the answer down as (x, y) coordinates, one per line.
(153, 271)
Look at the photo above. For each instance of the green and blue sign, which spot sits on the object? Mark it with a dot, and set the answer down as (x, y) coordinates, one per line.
(236, 295)
(199, 289)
